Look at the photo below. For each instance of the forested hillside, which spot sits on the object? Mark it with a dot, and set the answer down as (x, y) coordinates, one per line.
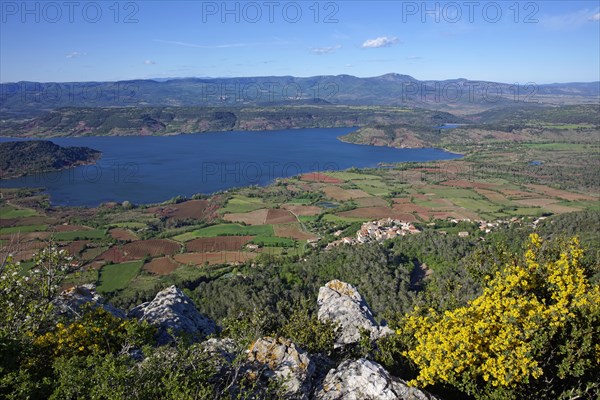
(530, 302)
(29, 157)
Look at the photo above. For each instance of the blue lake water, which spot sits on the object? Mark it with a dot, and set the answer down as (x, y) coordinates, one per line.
(152, 169)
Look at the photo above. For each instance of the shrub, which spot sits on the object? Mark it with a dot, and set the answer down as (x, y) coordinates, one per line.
(98, 331)
(525, 327)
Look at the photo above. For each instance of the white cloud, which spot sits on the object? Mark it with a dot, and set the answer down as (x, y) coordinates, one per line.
(383, 41)
(149, 62)
(325, 50)
(414, 58)
(571, 20)
(74, 54)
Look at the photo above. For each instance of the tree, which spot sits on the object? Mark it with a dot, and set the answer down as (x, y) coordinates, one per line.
(26, 298)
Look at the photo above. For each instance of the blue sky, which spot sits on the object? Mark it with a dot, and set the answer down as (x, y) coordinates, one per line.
(506, 41)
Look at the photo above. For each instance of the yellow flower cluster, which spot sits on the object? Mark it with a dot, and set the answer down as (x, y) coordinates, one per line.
(98, 331)
(492, 338)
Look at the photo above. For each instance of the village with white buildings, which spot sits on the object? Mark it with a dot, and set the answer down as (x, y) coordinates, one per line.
(388, 228)
(376, 231)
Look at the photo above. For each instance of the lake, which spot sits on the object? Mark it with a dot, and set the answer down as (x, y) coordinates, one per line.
(152, 169)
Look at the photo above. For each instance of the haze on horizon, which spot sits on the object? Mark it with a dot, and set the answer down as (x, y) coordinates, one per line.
(539, 41)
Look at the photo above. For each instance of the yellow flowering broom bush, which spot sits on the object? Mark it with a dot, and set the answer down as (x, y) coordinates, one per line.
(512, 332)
(98, 332)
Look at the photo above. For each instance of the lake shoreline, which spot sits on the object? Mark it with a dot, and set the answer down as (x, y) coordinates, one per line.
(153, 169)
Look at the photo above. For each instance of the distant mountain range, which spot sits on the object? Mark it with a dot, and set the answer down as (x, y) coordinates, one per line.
(33, 98)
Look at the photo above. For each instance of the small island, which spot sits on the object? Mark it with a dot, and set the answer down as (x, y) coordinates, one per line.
(22, 158)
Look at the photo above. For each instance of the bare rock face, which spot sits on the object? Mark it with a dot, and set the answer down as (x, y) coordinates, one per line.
(224, 349)
(363, 379)
(70, 302)
(172, 310)
(285, 361)
(340, 302)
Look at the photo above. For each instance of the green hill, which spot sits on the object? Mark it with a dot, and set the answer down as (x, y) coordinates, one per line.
(28, 157)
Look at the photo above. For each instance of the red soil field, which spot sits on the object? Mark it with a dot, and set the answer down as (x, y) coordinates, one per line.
(427, 169)
(279, 216)
(442, 215)
(378, 213)
(319, 177)
(371, 202)
(410, 208)
(339, 194)
(256, 217)
(6, 222)
(221, 257)
(492, 196)
(152, 248)
(420, 196)
(161, 266)
(563, 194)
(21, 251)
(115, 255)
(195, 209)
(74, 247)
(25, 237)
(518, 194)
(91, 253)
(302, 210)
(219, 243)
(124, 235)
(401, 200)
(537, 202)
(468, 184)
(70, 228)
(262, 216)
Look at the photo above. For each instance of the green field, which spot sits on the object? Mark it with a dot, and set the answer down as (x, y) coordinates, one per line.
(478, 205)
(241, 204)
(14, 212)
(227, 230)
(567, 126)
(82, 277)
(347, 176)
(527, 211)
(129, 225)
(273, 241)
(75, 235)
(375, 188)
(114, 277)
(23, 229)
(338, 219)
(300, 201)
(558, 146)
(450, 193)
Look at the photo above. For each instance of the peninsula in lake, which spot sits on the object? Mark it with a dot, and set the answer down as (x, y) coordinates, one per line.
(22, 158)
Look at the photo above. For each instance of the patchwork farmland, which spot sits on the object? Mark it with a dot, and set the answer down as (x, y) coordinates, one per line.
(127, 248)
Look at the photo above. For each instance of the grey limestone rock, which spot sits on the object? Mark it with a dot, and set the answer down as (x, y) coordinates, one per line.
(172, 310)
(341, 303)
(70, 302)
(364, 379)
(286, 361)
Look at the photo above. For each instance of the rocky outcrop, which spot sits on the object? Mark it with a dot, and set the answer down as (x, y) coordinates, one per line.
(225, 349)
(364, 379)
(70, 302)
(172, 310)
(340, 303)
(285, 361)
